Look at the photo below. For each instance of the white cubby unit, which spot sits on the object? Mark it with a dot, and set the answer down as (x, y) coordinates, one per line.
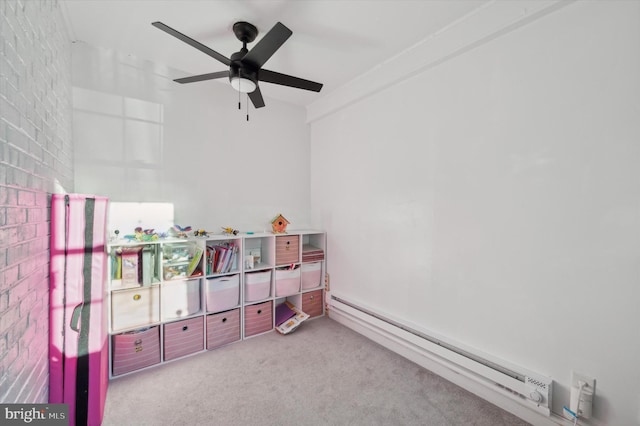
(174, 297)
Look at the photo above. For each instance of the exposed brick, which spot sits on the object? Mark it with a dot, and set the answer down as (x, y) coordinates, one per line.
(9, 356)
(42, 229)
(3, 343)
(28, 305)
(41, 199)
(27, 232)
(36, 215)
(18, 292)
(12, 197)
(15, 216)
(3, 258)
(26, 198)
(9, 276)
(27, 267)
(4, 304)
(8, 235)
(36, 152)
(8, 318)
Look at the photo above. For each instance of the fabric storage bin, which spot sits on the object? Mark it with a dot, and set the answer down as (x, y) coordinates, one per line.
(258, 318)
(312, 303)
(180, 299)
(135, 350)
(223, 293)
(183, 338)
(311, 273)
(287, 281)
(135, 307)
(287, 249)
(223, 328)
(257, 285)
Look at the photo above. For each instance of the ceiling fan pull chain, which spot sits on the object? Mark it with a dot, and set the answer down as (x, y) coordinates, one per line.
(247, 106)
(239, 107)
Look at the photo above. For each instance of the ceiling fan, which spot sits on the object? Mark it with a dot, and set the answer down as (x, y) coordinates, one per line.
(245, 66)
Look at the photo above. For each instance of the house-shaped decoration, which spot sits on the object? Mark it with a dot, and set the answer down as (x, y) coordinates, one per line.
(279, 224)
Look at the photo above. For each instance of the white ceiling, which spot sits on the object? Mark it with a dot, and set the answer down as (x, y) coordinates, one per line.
(333, 41)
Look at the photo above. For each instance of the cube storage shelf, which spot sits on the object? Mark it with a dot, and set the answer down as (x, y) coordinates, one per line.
(175, 297)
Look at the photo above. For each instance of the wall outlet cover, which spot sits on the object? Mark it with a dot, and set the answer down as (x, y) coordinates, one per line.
(579, 377)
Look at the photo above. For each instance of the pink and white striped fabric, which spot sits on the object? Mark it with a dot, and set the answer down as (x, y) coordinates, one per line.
(78, 334)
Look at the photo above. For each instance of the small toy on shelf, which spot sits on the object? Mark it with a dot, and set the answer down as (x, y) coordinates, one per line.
(200, 233)
(178, 231)
(279, 224)
(142, 235)
(230, 231)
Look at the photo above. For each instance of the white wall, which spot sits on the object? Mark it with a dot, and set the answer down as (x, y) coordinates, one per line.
(140, 137)
(494, 198)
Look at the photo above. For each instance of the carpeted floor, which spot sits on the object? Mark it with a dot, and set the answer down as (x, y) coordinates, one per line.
(322, 374)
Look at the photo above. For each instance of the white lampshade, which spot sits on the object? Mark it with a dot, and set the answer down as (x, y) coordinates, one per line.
(243, 85)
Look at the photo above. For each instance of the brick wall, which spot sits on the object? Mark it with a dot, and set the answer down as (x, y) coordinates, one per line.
(35, 160)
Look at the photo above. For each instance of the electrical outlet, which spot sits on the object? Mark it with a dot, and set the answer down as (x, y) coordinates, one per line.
(583, 389)
(579, 377)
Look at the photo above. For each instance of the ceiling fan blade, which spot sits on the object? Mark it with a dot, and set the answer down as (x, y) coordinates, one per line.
(202, 77)
(256, 98)
(201, 47)
(267, 46)
(288, 80)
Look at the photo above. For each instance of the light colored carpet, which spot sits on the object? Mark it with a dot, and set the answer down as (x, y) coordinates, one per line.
(321, 374)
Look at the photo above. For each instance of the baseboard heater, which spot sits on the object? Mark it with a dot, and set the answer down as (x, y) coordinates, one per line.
(531, 390)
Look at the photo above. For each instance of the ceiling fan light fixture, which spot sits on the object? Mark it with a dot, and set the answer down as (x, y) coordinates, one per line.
(243, 85)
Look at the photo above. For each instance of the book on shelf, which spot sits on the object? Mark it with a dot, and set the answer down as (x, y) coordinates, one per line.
(193, 263)
(222, 258)
(223, 252)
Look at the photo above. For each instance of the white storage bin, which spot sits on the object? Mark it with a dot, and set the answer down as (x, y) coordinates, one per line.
(135, 307)
(311, 275)
(223, 293)
(287, 281)
(257, 285)
(180, 298)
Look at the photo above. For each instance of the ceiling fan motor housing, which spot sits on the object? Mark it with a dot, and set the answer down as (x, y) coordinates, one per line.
(238, 69)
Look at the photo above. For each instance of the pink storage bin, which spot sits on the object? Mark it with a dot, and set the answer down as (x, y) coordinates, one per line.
(183, 338)
(287, 281)
(311, 275)
(258, 318)
(312, 303)
(257, 285)
(135, 350)
(223, 293)
(223, 328)
(287, 249)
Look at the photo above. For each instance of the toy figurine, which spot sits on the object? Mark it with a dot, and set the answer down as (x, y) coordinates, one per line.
(230, 231)
(178, 231)
(201, 233)
(142, 235)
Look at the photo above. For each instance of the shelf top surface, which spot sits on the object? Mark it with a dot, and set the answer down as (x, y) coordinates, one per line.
(123, 242)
